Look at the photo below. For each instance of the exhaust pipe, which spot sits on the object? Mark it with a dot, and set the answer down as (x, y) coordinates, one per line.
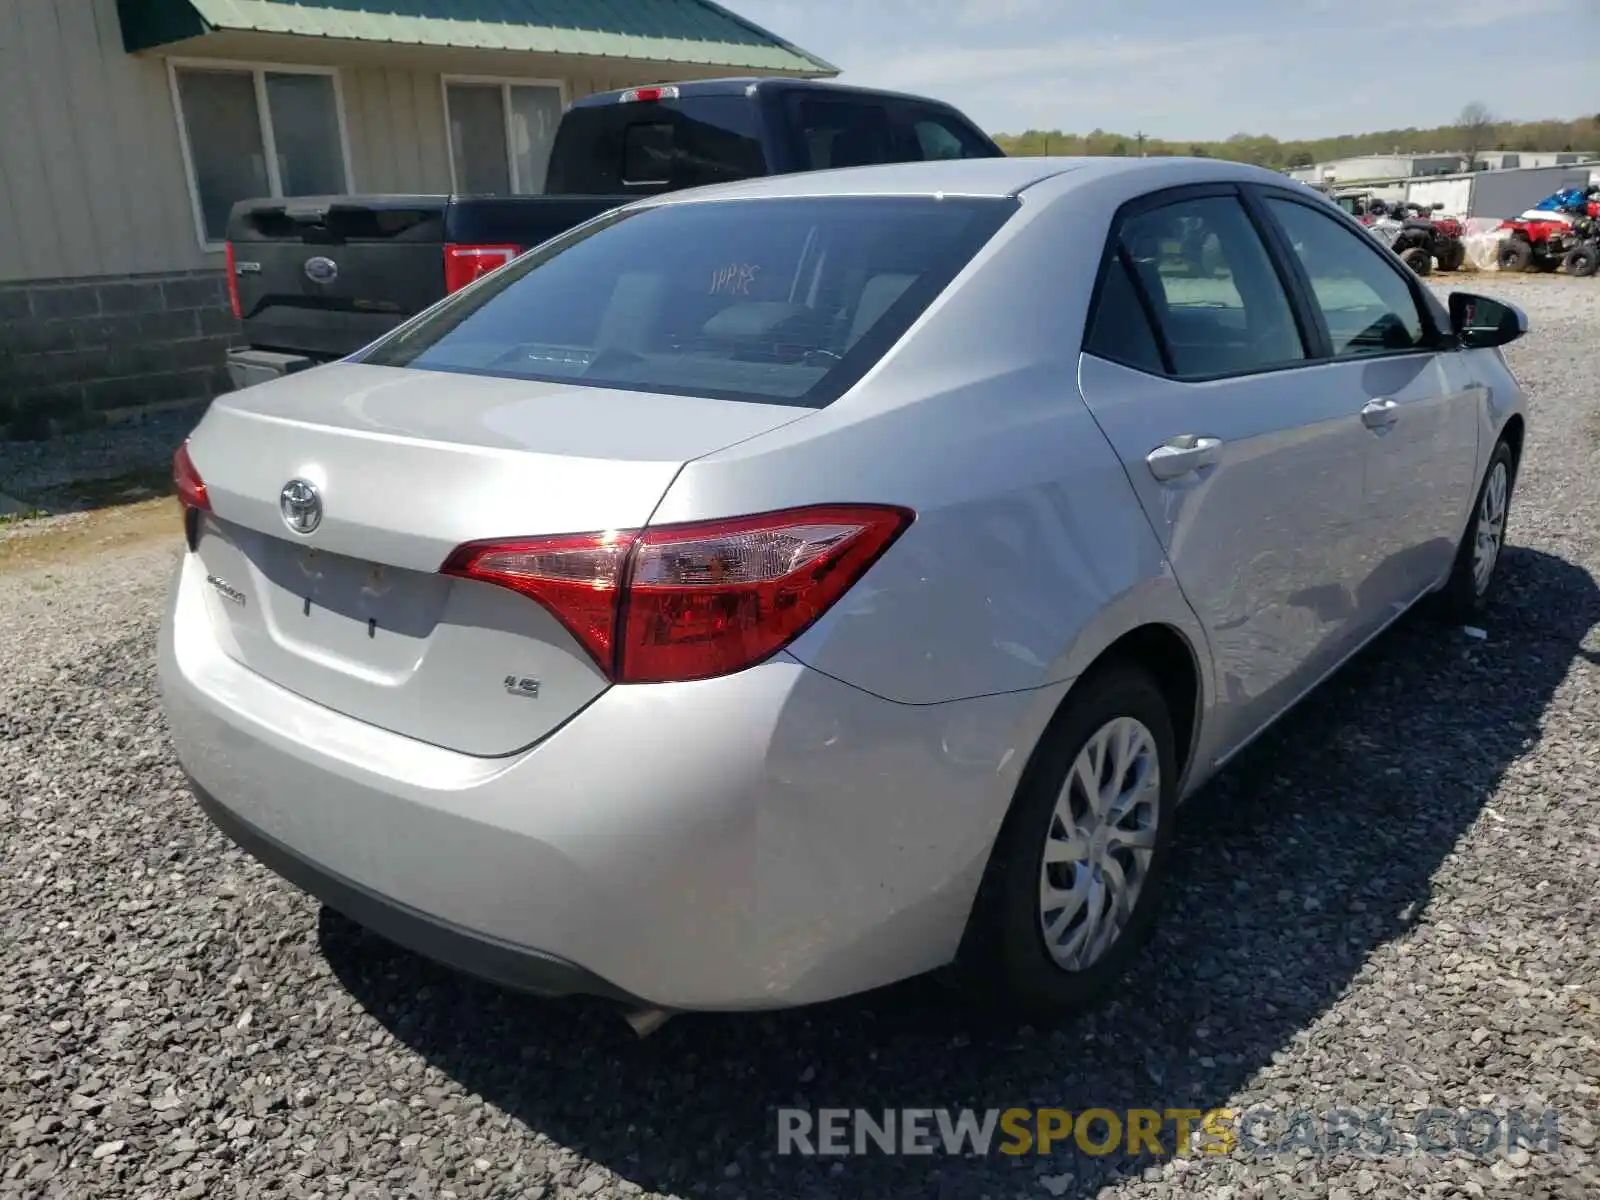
(645, 1021)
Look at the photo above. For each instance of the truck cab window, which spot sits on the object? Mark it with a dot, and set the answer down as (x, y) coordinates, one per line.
(842, 133)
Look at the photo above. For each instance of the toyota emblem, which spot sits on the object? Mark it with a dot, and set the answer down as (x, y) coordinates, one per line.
(300, 505)
(321, 269)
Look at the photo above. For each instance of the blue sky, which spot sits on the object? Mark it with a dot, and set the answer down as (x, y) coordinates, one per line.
(1198, 69)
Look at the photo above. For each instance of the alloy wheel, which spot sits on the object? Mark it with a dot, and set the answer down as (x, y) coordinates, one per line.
(1491, 527)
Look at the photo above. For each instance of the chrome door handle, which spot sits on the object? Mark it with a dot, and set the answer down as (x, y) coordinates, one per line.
(1379, 414)
(1183, 455)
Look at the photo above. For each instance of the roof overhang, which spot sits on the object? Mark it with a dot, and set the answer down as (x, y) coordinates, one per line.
(695, 37)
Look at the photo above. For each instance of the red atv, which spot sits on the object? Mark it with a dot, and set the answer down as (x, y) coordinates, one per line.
(1543, 244)
(1416, 233)
(1535, 245)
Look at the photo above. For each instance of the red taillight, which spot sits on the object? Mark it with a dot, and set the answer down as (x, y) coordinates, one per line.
(192, 496)
(575, 577)
(691, 601)
(463, 264)
(191, 488)
(233, 284)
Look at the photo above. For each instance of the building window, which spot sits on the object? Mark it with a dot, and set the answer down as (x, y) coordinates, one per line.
(256, 132)
(500, 134)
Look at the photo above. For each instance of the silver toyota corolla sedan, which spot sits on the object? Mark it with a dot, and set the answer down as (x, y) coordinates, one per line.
(764, 593)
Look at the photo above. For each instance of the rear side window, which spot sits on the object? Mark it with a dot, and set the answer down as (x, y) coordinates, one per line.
(653, 146)
(841, 133)
(1205, 275)
(1119, 329)
(779, 300)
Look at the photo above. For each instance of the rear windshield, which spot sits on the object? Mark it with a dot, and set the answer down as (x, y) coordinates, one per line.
(642, 149)
(785, 301)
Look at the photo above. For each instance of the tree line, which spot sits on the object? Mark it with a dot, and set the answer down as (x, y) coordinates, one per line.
(1475, 130)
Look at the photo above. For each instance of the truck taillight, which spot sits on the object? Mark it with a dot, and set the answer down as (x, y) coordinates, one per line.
(692, 601)
(463, 264)
(648, 95)
(233, 284)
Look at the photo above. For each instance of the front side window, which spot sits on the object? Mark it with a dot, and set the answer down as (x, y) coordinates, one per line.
(500, 135)
(937, 135)
(776, 300)
(1218, 303)
(1364, 301)
(252, 134)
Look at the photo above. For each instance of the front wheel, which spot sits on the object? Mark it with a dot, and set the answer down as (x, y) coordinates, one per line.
(1583, 260)
(1076, 873)
(1478, 556)
(1514, 255)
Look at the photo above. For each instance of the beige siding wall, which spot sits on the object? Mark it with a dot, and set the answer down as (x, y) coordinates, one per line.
(396, 122)
(91, 176)
(91, 172)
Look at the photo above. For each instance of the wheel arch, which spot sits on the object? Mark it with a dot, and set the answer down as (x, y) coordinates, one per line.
(1512, 434)
(1173, 655)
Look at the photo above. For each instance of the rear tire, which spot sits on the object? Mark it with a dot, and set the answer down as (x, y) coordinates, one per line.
(1514, 255)
(1092, 842)
(1453, 258)
(1472, 578)
(1582, 261)
(1418, 259)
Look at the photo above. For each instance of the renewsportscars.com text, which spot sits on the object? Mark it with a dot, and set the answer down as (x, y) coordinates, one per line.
(1375, 1133)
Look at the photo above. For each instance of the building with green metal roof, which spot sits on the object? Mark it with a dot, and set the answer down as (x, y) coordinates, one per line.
(132, 123)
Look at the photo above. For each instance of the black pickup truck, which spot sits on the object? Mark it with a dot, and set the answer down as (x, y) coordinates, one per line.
(315, 279)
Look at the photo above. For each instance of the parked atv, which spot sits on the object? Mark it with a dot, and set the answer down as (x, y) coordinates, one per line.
(1535, 245)
(1544, 237)
(1418, 235)
(1584, 258)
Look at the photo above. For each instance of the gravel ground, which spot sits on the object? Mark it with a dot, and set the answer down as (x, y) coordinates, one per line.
(1389, 904)
(40, 471)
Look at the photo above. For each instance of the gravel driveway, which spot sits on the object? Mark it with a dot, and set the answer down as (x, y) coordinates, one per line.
(1393, 902)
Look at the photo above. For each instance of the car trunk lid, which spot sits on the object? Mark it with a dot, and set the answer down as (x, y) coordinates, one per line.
(407, 465)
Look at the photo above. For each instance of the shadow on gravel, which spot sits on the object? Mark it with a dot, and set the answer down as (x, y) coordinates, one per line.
(1317, 846)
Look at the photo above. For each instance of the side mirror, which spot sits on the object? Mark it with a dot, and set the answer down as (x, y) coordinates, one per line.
(1480, 322)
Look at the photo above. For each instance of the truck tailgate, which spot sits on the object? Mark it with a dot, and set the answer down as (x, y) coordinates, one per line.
(326, 276)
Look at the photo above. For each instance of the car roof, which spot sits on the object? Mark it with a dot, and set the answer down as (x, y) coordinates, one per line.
(980, 177)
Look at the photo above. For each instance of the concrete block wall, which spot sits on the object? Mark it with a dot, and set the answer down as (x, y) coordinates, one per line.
(75, 353)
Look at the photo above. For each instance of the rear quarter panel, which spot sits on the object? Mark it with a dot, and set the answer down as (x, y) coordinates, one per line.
(1029, 552)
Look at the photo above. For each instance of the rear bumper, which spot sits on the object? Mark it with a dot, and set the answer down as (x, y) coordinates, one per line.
(247, 367)
(510, 966)
(769, 838)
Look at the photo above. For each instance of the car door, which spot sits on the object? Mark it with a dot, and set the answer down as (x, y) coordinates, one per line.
(1247, 457)
(1389, 353)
